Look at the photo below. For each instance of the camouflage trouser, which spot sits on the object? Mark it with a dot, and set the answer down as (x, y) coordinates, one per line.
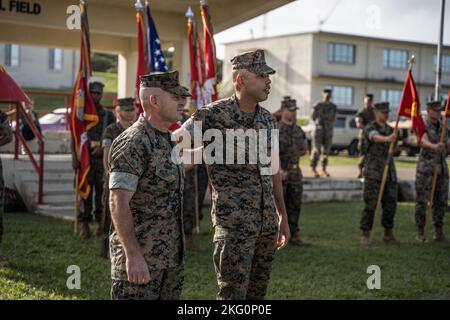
(2, 201)
(362, 153)
(322, 139)
(107, 222)
(189, 202)
(423, 190)
(388, 203)
(164, 285)
(202, 186)
(293, 200)
(95, 180)
(242, 263)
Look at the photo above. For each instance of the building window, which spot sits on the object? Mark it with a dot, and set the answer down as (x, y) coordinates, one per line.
(55, 56)
(341, 53)
(445, 63)
(393, 97)
(12, 55)
(397, 59)
(342, 96)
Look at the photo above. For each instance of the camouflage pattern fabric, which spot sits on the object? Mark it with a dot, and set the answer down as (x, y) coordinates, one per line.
(253, 61)
(243, 263)
(424, 178)
(322, 135)
(164, 284)
(243, 199)
(366, 116)
(4, 127)
(292, 141)
(377, 155)
(140, 161)
(168, 81)
(109, 135)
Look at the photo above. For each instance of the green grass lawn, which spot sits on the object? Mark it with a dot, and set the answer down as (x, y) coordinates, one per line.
(40, 250)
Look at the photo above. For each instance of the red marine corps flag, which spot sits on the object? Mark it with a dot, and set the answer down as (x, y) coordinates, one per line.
(447, 106)
(410, 106)
(196, 63)
(209, 50)
(83, 114)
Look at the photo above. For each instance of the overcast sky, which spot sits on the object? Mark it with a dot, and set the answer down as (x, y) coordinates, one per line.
(415, 20)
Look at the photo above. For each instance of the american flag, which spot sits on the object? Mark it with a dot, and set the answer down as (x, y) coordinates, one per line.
(156, 60)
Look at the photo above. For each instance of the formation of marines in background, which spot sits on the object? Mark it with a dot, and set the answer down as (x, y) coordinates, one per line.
(148, 207)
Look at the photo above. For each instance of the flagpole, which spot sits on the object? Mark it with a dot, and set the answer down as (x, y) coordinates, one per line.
(77, 205)
(439, 53)
(442, 137)
(390, 156)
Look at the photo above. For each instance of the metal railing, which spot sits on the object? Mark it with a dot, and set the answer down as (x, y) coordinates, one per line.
(20, 111)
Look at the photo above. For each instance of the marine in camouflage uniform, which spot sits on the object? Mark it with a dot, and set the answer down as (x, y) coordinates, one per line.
(432, 154)
(293, 144)
(127, 109)
(324, 116)
(243, 210)
(377, 135)
(96, 172)
(364, 116)
(5, 137)
(141, 168)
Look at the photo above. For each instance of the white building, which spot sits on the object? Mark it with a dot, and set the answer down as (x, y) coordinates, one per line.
(40, 67)
(351, 65)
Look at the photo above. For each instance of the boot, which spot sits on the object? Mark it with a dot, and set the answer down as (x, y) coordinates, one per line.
(85, 232)
(314, 172)
(421, 234)
(365, 238)
(439, 235)
(190, 245)
(360, 175)
(388, 237)
(296, 240)
(3, 262)
(325, 172)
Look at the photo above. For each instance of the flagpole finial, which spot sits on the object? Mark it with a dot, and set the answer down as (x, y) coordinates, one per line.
(138, 5)
(189, 13)
(411, 61)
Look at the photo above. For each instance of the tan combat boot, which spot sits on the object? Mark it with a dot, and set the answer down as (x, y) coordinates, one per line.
(85, 232)
(190, 245)
(325, 172)
(389, 238)
(296, 240)
(314, 172)
(421, 234)
(365, 238)
(439, 235)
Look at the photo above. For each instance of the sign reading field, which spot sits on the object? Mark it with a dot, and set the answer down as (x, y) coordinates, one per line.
(20, 7)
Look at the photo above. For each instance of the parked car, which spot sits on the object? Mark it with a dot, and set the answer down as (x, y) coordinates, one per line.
(54, 121)
(345, 134)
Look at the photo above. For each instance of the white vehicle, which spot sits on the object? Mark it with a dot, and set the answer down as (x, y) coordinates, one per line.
(345, 133)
